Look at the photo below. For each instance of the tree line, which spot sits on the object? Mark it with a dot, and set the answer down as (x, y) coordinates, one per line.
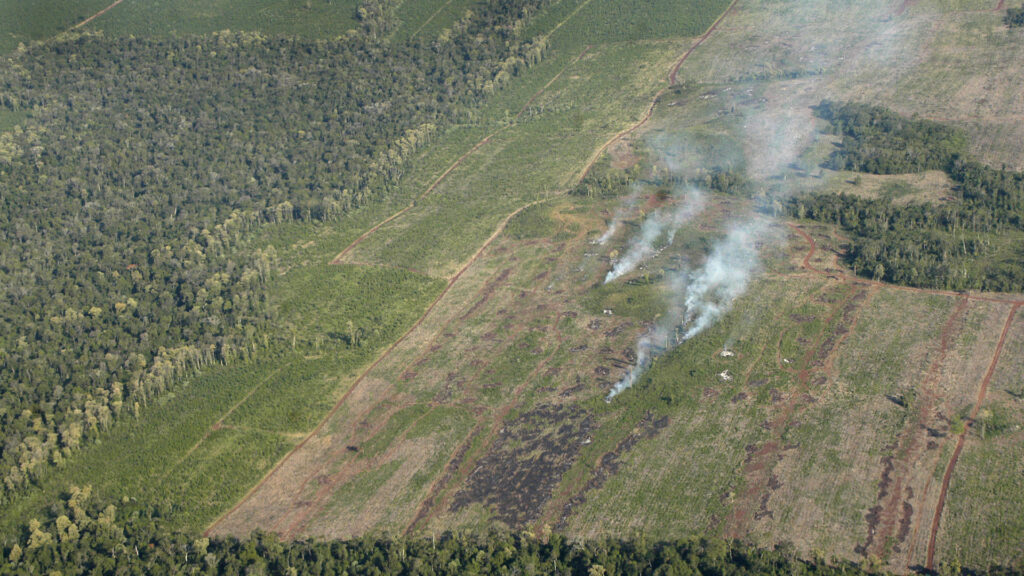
(952, 245)
(132, 191)
(84, 536)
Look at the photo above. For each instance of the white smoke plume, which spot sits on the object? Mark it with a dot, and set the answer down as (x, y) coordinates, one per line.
(612, 229)
(699, 299)
(625, 208)
(663, 222)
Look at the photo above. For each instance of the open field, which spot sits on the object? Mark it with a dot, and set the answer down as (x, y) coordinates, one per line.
(38, 20)
(25, 22)
(313, 18)
(425, 19)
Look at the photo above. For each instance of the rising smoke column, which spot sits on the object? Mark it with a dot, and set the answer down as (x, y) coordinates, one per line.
(620, 213)
(662, 222)
(773, 135)
(697, 300)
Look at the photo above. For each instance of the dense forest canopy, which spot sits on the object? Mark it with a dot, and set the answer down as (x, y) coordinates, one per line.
(955, 245)
(84, 536)
(130, 192)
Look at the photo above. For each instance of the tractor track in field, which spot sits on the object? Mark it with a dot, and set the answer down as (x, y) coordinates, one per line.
(759, 465)
(458, 162)
(657, 97)
(96, 15)
(893, 504)
(362, 376)
(965, 298)
(948, 475)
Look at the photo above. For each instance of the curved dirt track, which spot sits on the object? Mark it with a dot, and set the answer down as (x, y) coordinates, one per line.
(654, 101)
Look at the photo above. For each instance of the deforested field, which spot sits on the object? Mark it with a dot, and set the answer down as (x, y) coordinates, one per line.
(604, 296)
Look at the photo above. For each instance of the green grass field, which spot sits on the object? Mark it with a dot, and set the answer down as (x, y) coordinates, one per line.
(38, 20)
(24, 22)
(423, 20)
(309, 18)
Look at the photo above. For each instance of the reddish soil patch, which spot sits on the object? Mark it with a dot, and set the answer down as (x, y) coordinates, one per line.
(486, 292)
(895, 492)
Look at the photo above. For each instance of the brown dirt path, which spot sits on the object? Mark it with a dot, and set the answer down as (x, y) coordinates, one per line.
(893, 506)
(1015, 303)
(96, 15)
(657, 97)
(948, 476)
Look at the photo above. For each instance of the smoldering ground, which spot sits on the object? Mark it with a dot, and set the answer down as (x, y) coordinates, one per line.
(772, 136)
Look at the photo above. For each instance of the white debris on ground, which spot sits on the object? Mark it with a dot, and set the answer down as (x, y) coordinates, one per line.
(724, 376)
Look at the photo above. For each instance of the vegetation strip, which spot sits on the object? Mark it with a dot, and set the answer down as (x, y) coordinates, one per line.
(890, 503)
(339, 258)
